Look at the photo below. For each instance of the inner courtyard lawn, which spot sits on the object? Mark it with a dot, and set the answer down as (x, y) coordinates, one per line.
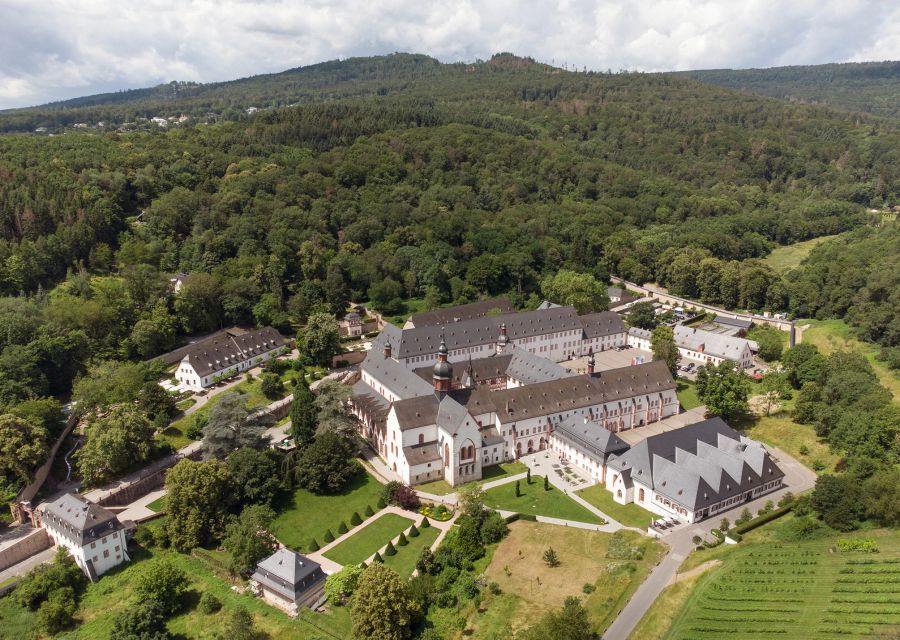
(488, 474)
(303, 516)
(404, 562)
(530, 589)
(535, 501)
(631, 515)
(796, 590)
(687, 394)
(369, 539)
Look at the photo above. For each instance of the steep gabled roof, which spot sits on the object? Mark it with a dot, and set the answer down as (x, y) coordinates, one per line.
(403, 382)
(221, 352)
(714, 344)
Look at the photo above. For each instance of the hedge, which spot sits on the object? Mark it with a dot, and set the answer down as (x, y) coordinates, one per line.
(759, 521)
(521, 516)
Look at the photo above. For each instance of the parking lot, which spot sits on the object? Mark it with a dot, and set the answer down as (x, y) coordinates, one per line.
(609, 359)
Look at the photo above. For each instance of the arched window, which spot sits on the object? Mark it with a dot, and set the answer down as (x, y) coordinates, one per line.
(640, 495)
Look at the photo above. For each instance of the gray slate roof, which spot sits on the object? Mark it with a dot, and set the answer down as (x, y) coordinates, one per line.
(221, 352)
(741, 323)
(714, 344)
(493, 366)
(637, 332)
(698, 465)
(422, 453)
(590, 436)
(393, 375)
(601, 324)
(577, 392)
(288, 573)
(79, 519)
(461, 312)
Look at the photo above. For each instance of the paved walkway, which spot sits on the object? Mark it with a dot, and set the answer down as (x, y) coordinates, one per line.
(138, 510)
(330, 566)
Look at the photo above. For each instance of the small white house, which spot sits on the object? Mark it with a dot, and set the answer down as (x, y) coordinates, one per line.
(91, 534)
(289, 581)
(214, 359)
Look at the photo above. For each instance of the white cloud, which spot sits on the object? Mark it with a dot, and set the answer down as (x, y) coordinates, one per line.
(54, 49)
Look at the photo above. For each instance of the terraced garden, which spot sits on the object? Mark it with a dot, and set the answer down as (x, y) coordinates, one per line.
(797, 590)
(369, 539)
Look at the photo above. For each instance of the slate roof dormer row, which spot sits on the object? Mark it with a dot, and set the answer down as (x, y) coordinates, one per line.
(222, 352)
(79, 519)
(461, 312)
(714, 344)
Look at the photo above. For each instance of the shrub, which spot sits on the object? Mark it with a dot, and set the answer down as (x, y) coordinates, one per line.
(588, 588)
(425, 524)
(402, 541)
(162, 582)
(57, 612)
(194, 430)
(381, 503)
(550, 558)
(493, 528)
(761, 520)
(746, 516)
(518, 489)
(786, 499)
(406, 497)
(804, 450)
(209, 603)
(271, 386)
(369, 512)
(390, 550)
(36, 587)
(314, 545)
(377, 558)
(528, 476)
(342, 528)
(494, 588)
(329, 537)
(355, 519)
(546, 483)
(621, 548)
(724, 524)
(413, 532)
(865, 545)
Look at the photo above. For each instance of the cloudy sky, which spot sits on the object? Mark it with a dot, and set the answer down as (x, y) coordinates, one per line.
(56, 49)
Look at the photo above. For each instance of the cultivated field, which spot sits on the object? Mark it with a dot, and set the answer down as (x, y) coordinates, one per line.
(797, 590)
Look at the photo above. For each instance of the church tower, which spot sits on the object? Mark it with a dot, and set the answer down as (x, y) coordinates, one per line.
(442, 375)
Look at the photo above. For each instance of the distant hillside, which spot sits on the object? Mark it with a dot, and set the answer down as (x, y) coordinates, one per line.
(869, 87)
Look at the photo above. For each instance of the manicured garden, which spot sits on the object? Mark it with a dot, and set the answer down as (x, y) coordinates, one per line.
(535, 500)
(369, 539)
(825, 588)
(631, 515)
(404, 561)
(529, 588)
(303, 516)
(489, 474)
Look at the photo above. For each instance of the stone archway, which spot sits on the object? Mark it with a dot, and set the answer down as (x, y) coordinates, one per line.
(542, 444)
(531, 446)
(518, 449)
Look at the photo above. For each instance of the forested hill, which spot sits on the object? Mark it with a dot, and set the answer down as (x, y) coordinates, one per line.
(868, 87)
(399, 178)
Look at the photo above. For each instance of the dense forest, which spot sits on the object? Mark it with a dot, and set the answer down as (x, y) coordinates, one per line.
(398, 178)
(868, 87)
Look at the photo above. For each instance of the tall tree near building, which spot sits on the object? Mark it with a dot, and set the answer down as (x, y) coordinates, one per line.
(322, 338)
(23, 446)
(723, 389)
(248, 540)
(662, 342)
(331, 404)
(381, 605)
(115, 443)
(197, 501)
(230, 426)
(304, 415)
(643, 316)
(581, 290)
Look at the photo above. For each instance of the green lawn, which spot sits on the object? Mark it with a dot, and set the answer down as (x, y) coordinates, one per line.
(630, 515)
(369, 539)
(158, 505)
(303, 516)
(185, 404)
(404, 562)
(796, 590)
(535, 501)
(834, 335)
(489, 474)
(778, 430)
(787, 257)
(687, 394)
(114, 593)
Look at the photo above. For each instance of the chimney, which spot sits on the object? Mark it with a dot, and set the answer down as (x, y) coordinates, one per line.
(387, 349)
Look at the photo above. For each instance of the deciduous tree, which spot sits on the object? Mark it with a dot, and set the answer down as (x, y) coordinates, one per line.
(197, 501)
(662, 341)
(248, 540)
(381, 605)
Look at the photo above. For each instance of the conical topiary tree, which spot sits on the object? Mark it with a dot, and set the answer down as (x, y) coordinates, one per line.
(528, 476)
(329, 537)
(342, 528)
(546, 484)
(381, 503)
(363, 565)
(390, 550)
(425, 524)
(402, 541)
(355, 519)
(314, 545)
(518, 489)
(413, 532)
(369, 512)
(377, 558)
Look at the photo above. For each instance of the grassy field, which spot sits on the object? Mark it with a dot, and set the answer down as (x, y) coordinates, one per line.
(530, 589)
(493, 472)
(687, 394)
(404, 562)
(631, 515)
(369, 539)
(304, 516)
(536, 501)
(778, 430)
(783, 259)
(796, 590)
(158, 505)
(834, 335)
(113, 593)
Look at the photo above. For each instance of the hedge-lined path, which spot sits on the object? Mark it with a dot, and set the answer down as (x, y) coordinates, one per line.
(330, 566)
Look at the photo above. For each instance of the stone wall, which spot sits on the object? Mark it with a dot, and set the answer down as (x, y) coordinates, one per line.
(25, 548)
